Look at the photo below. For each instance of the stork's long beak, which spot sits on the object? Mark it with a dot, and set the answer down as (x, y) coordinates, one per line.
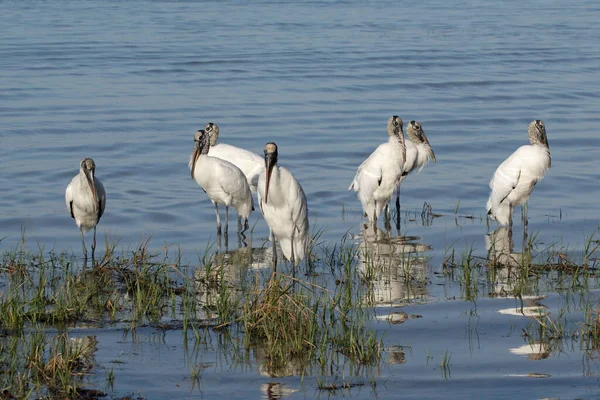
(89, 175)
(269, 162)
(195, 155)
(432, 153)
(403, 143)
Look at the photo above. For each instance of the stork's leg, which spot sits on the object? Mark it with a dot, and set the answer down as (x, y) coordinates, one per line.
(93, 246)
(398, 208)
(218, 219)
(293, 257)
(83, 244)
(374, 215)
(525, 224)
(226, 228)
(226, 221)
(274, 254)
(388, 218)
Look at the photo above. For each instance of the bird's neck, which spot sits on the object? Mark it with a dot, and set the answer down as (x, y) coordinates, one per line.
(397, 140)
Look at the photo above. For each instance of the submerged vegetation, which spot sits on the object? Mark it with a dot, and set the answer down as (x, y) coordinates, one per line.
(318, 320)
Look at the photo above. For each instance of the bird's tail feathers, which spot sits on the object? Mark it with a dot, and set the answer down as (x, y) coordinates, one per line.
(500, 212)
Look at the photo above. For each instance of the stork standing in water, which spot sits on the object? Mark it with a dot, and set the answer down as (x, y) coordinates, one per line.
(86, 199)
(378, 175)
(251, 164)
(418, 154)
(515, 178)
(223, 182)
(283, 204)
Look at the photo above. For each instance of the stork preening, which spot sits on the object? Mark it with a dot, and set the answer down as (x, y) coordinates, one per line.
(418, 154)
(86, 200)
(379, 174)
(515, 178)
(283, 205)
(223, 182)
(251, 164)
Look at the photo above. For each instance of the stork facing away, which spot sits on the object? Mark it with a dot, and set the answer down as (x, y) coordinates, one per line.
(378, 176)
(515, 178)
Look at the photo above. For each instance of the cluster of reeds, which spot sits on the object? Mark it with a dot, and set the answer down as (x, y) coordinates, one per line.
(290, 319)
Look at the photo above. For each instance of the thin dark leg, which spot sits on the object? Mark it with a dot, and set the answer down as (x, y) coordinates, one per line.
(218, 219)
(274, 254)
(83, 244)
(293, 258)
(226, 223)
(239, 231)
(525, 225)
(398, 209)
(374, 215)
(93, 246)
(388, 218)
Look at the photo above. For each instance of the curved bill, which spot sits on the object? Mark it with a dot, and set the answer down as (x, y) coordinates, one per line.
(432, 153)
(195, 156)
(269, 169)
(89, 175)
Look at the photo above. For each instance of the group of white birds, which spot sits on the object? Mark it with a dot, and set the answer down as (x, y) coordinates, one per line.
(230, 174)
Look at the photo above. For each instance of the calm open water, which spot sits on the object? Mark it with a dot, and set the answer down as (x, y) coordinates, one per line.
(129, 83)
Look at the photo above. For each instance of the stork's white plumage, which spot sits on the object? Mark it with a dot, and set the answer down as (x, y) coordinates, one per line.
(283, 204)
(251, 164)
(379, 174)
(223, 182)
(515, 178)
(86, 200)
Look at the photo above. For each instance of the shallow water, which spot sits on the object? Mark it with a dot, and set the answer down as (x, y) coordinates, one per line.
(128, 83)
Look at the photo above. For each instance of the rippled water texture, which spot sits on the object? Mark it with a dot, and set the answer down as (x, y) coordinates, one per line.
(128, 84)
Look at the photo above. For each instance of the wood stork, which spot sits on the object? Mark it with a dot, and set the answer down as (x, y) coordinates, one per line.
(251, 164)
(86, 199)
(283, 205)
(515, 178)
(223, 182)
(378, 175)
(418, 154)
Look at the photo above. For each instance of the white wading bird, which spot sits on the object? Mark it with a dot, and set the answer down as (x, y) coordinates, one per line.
(222, 181)
(86, 199)
(251, 164)
(515, 178)
(418, 154)
(378, 175)
(283, 204)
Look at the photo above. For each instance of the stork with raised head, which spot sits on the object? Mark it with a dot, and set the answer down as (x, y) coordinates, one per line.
(418, 154)
(283, 205)
(86, 200)
(379, 174)
(515, 178)
(223, 182)
(251, 164)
